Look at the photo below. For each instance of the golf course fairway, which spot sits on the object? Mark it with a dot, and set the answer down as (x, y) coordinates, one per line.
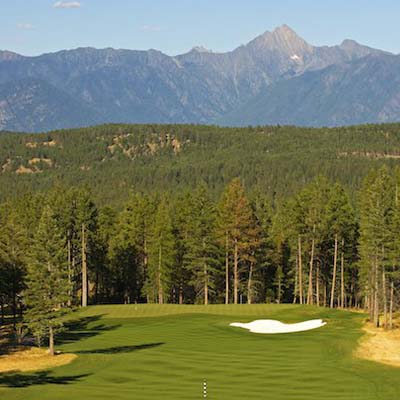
(166, 352)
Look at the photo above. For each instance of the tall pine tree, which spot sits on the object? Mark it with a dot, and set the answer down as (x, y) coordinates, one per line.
(161, 251)
(48, 286)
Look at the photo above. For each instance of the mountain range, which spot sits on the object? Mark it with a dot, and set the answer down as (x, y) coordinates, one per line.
(277, 78)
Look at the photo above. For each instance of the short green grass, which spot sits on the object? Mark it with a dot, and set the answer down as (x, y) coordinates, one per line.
(148, 352)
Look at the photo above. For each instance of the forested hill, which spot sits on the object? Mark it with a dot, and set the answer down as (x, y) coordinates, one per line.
(114, 159)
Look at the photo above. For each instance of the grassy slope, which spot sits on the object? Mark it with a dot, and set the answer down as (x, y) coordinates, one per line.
(164, 352)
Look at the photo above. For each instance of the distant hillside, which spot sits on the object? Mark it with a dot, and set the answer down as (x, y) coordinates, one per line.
(115, 159)
(256, 82)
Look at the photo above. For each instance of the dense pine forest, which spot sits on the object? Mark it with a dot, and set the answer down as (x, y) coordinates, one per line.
(114, 160)
(198, 215)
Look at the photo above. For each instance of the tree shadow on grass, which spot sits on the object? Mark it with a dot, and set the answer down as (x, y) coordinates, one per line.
(121, 349)
(79, 329)
(17, 380)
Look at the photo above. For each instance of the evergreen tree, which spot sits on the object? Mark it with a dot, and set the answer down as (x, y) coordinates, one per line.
(13, 247)
(129, 248)
(259, 260)
(161, 253)
(47, 279)
(201, 243)
(84, 228)
(289, 227)
(239, 229)
(101, 254)
(183, 287)
(311, 214)
(375, 209)
(340, 222)
(393, 252)
(283, 241)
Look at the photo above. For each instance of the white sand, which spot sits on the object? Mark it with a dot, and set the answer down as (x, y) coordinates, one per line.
(271, 326)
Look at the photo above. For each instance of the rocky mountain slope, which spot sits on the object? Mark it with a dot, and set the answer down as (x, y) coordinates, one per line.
(260, 82)
(363, 91)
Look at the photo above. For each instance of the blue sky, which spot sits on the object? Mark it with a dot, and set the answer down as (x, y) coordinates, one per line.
(33, 27)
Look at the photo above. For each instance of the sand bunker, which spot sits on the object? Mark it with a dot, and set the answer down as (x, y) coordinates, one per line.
(270, 326)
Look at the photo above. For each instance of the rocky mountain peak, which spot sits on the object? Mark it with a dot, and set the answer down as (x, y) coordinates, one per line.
(284, 40)
(284, 30)
(200, 49)
(350, 44)
(354, 49)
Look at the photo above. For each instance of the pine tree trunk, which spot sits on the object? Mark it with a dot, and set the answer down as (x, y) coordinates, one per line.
(84, 269)
(14, 308)
(300, 272)
(334, 272)
(317, 283)
(279, 285)
(249, 284)
(21, 311)
(384, 295)
(235, 273)
(205, 275)
(69, 301)
(180, 294)
(145, 263)
(51, 341)
(368, 303)
(376, 298)
(295, 290)
(342, 296)
(2, 312)
(226, 270)
(159, 284)
(369, 293)
(96, 292)
(391, 305)
(351, 295)
(310, 299)
(73, 288)
(205, 284)
(376, 309)
(145, 257)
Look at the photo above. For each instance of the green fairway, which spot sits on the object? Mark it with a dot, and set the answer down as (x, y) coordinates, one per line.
(165, 352)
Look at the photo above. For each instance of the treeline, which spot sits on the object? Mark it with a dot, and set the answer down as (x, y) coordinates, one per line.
(58, 250)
